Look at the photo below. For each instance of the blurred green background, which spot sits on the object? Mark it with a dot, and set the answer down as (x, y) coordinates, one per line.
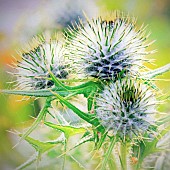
(20, 20)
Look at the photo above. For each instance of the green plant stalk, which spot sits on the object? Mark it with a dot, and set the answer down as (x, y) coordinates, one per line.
(103, 137)
(85, 116)
(58, 83)
(81, 114)
(40, 116)
(77, 80)
(109, 151)
(48, 92)
(123, 150)
(112, 163)
(86, 88)
(90, 100)
(64, 156)
(34, 93)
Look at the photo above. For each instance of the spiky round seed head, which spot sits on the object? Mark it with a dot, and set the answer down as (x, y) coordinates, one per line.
(126, 108)
(37, 59)
(106, 46)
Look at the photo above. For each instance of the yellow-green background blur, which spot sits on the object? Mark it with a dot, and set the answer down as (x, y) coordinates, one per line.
(14, 113)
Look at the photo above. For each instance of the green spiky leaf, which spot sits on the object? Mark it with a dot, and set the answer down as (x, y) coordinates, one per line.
(145, 147)
(67, 130)
(37, 93)
(41, 148)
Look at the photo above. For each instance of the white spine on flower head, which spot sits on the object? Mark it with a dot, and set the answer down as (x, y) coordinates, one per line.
(106, 46)
(37, 59)
(126, 108)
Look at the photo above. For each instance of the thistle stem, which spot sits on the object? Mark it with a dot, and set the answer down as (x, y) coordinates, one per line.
(59, 83)
(40, 116)
(124, 156)
(113, 141)
(65, 150)
(78, 80)
(85, 116)
(137, 167)
(112, 163)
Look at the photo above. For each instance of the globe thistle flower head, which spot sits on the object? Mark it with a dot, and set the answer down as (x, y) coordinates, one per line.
(37, 59)
(107, 45)
(126, 108)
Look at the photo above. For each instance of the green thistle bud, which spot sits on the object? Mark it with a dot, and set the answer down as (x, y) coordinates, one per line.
(106, 46)
(37, 59)
(126, 108)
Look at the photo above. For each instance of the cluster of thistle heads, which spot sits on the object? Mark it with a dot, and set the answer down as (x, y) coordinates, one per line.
(110, 49)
